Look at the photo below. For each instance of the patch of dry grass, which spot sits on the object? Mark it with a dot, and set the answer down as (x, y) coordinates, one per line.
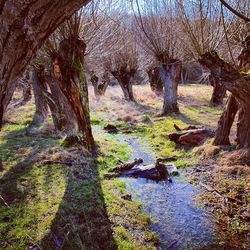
(238, 157)
(207, 151)
(235, 163)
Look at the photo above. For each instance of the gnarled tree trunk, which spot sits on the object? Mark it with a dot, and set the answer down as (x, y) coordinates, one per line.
(68, 71)
(124, 78)
(103, 85)
(219, 91)
(94, 80)
(24, 26)
(26, 93)
(239, 85)
(25, 84)
(42, 110)
(62, 113)
(169, 75)
(226, 121)
(155, 81)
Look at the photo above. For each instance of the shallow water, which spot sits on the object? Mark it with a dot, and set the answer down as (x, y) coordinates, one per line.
(177, 219)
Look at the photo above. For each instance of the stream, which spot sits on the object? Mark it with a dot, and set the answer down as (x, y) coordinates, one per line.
(178, 221)
(176, 217)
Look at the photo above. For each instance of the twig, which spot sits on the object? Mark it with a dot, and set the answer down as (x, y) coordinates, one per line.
(5, 203)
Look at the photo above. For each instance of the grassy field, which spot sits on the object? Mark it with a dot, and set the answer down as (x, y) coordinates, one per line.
(142, 118)
(55, 206)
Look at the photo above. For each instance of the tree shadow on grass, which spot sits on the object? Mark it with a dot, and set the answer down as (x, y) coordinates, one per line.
(81, 221)
(66, 203)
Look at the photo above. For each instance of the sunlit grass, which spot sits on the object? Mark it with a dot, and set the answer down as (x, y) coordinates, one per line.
(52, 200)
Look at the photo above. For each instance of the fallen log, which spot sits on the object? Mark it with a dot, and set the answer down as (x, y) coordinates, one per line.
(157, 172)
(191, 137)
(126, 166)
(111, 129)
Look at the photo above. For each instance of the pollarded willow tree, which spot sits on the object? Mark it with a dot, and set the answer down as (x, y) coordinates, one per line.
(156, 31)
(63, 74)
(24, 28)
(123, 66)
(236, 80)
(203, 30)
(122, 63)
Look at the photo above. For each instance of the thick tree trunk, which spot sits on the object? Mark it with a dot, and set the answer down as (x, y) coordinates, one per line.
(25, 84)
(239, 85)
(42, 110)
(6, 93)
(71, 80)
(103, 85)
(168, 77)
(62, 113)
(243, 126)
(226, 121)
(94, 80)
(219, 91)
(24, 26)
(155, 81)
(26, 93)
(124, 79)
(127, 90)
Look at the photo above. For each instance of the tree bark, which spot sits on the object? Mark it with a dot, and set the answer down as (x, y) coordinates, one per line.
(124, 78)
(42, 110)
(103, 85)
(94, 80)
(26, 93)
(155, 81)
(127, 91)
(68, 71)
(25, 84)
(226, 121)
(24, 28)
(168, 76)
(62, 113)
(219, 91)
(239, 85)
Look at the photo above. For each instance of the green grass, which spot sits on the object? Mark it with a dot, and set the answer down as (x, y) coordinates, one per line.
(75, 207)
(125, 213)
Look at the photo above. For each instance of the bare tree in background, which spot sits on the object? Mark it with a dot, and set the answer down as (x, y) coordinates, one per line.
(122, 63)
(24, 83)
(203, 31)
(123, 68)
(115, 53)
(157, 33)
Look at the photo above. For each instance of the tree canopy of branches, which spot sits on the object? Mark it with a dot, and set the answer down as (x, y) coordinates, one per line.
(123, 63)
(157, 34)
